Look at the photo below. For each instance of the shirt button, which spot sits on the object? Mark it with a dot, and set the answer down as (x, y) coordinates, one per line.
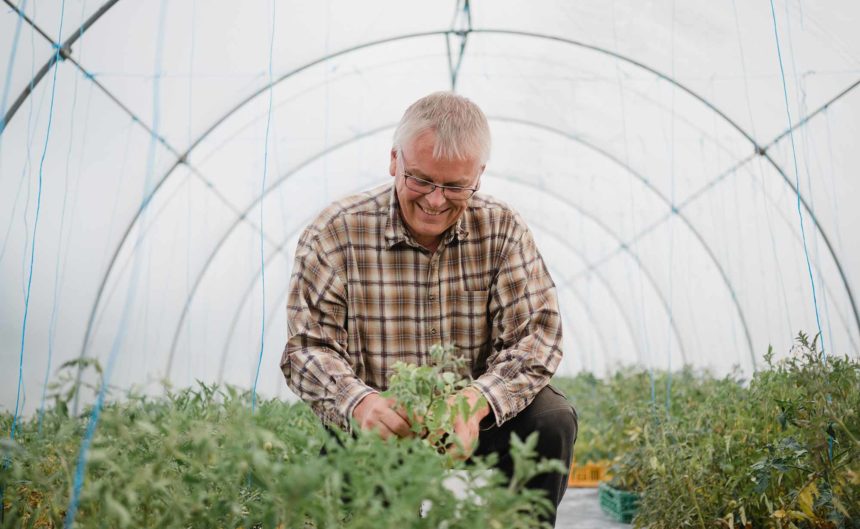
(431, 297)
(433, 331)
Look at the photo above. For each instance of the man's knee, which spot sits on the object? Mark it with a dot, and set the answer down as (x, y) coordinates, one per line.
(557, 426)
(555, 420)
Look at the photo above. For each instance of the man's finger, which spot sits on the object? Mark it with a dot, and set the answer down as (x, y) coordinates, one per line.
(399, 410)
(394, 422)
(383, 429)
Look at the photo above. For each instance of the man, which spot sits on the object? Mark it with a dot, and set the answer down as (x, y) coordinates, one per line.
(381, 276)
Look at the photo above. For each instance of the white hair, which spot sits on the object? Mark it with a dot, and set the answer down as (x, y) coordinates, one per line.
(461, 128)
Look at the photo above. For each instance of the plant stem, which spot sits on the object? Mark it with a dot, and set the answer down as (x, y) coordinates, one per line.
(695, 501)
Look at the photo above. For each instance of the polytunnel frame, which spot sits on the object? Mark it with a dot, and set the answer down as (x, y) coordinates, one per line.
(325, 152)
(65, 54)
(279, 247)
(624, 246)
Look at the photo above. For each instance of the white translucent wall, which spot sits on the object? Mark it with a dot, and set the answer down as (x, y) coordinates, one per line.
(625, 133)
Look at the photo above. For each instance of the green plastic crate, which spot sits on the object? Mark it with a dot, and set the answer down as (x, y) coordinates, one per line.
(620, 505)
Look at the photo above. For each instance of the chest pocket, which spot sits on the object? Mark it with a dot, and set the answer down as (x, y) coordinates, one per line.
(470, 329)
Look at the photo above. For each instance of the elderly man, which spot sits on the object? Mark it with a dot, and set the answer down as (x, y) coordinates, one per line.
(381, 276)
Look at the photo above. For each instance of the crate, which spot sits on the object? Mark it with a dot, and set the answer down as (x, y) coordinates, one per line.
(620, 505)
(588, 475)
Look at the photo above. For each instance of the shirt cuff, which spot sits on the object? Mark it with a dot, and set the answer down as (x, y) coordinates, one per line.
(349, 395)
(500, 399)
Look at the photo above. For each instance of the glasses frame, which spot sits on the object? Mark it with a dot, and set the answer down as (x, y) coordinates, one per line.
(434, 185)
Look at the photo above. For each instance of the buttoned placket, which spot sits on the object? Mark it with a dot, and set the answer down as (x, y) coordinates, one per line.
(434, 323)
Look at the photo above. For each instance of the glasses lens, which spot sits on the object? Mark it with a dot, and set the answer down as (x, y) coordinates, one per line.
(458, 193)
(417, 185)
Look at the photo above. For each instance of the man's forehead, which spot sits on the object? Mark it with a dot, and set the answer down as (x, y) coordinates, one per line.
(462, 178)
(423, 164)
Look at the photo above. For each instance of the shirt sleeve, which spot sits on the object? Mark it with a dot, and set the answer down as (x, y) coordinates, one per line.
(315, 362)
(526, 331)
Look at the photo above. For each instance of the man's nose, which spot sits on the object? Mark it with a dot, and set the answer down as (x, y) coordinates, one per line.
(436, 198)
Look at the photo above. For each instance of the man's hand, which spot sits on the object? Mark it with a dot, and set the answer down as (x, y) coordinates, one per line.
(375, 412)
(468, 430)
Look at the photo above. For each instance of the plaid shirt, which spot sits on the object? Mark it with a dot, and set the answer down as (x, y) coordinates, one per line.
(364, 295)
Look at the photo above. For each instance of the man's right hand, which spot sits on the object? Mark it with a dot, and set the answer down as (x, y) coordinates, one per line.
(375, 412)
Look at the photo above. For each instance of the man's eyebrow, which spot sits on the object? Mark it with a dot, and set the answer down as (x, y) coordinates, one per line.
(463, 182)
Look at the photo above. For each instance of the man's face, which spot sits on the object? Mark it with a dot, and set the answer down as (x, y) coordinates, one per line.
(428, 215)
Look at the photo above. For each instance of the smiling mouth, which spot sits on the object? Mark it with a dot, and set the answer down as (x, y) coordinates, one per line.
(431, 213)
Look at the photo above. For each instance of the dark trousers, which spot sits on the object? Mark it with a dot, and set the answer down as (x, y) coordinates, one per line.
(551, 415)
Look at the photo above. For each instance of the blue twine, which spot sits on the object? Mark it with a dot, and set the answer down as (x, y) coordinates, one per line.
(262, 240)
(53, 321)
(797, 179)
(78, 482)
(799, 210)
(35, 228)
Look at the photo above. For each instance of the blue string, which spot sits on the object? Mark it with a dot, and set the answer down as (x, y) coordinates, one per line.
(6, 460)
(797, 179)
(799, 210)
(262, 241)
(36, 226)
(57, 280)
(95, 415)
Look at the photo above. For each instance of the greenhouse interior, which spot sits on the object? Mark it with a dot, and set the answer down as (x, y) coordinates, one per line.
(671, 184)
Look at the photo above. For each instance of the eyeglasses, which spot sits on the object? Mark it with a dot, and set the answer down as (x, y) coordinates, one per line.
(425, 187)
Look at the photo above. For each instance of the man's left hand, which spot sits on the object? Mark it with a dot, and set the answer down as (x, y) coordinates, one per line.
(468, 429)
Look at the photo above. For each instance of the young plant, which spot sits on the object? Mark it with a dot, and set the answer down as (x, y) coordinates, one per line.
(432, 395)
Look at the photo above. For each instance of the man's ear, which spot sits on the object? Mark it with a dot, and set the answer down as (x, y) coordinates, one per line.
(392, 166)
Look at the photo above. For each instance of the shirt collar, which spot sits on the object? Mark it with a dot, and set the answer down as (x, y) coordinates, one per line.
(396, 231)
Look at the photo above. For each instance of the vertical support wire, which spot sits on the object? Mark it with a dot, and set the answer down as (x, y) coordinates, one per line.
(797, 179)
(35, 231)
(622, 106)
(52, 325)
(671, 220)
(765, 204)
(6, 86)
(262, 192)
(95, 415)
(189, 360)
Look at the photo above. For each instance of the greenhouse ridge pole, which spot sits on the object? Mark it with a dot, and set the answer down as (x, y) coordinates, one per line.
(461, 26)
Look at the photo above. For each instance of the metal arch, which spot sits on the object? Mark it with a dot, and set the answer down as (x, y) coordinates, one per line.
(759, 149)
(287, 237)
(609, 156)
(65, 52)
(665, 200)
(233, 226)
(183, 157)
(578, 296)
(280, 180)
(626, 248)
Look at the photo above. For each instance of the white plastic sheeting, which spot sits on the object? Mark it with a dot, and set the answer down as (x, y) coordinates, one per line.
(645, 143)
